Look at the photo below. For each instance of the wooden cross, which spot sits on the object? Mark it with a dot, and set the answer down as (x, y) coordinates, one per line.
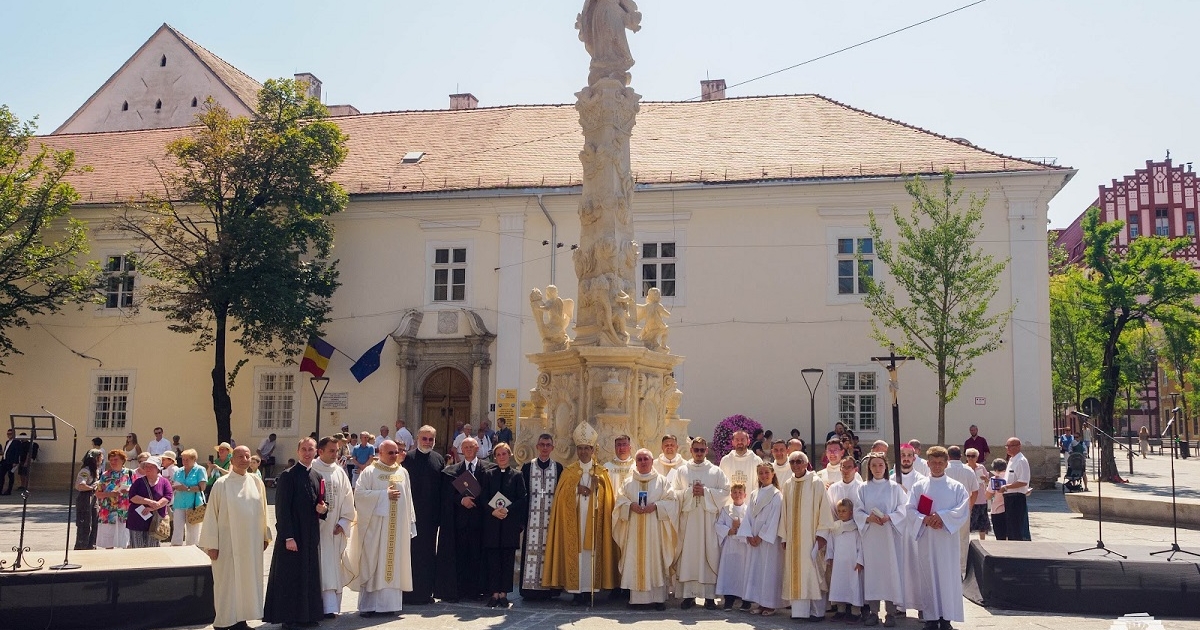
(891, 363)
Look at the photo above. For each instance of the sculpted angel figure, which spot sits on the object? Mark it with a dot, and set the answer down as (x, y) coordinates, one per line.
(654, 331)
(602, 27)
(553, 315)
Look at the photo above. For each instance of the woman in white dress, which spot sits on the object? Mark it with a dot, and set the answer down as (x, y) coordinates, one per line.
(880, 517)
(764, 572)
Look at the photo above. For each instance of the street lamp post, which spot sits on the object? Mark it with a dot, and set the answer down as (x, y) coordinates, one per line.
(812, 409)
(324, 381)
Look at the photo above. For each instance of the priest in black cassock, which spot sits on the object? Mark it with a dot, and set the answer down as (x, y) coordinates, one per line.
(541, 478)
(460, 542)
(424, 466)
(294, 585)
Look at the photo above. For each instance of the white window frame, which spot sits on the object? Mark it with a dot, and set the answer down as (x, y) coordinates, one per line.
(836, 393)
(132, 277)
(1162, 222)
(432, 266)
(1134, 225)
(260, 375)
(833, 236)
(94, 398)
(1189, 219)
(679, 238)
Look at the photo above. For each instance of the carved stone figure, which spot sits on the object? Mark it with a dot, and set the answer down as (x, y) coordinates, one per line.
(654, 331)
(553, 315)
(602, 27)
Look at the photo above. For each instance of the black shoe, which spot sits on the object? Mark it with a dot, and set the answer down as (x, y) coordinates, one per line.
(492, 602)
(931, 625)
(710, 604)
(580, 599)
(366, 614)
(331, 615)
(728, 604)
(504, 603)
(745, 606)
(662, 606)
(816, 618)
(944, 624)
(687, 603)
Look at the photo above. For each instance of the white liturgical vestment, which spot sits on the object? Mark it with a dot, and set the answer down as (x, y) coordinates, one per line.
(235, 524)
(382, 538)
(699, 550)
(742, 469)
(937, 582)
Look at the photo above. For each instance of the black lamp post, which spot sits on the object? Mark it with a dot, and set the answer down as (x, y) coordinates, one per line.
(324, 381)
(812, 409)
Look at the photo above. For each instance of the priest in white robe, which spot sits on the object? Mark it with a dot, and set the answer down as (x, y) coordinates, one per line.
(833, 458)
(336, 569)
(879, 515)
(235, 535)
(381, 544)
(779, 459)
(805, 525)
(669, 460)
(645, 526)
(740, 464)
(702, 491)
(764, 571)
(620, 466)
(936, 577)
(732, 530)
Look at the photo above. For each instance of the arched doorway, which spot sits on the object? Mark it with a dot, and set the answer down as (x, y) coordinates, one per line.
(445, 401)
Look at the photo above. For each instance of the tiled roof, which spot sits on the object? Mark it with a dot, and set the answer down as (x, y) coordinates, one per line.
(713, 142)
(243, 86)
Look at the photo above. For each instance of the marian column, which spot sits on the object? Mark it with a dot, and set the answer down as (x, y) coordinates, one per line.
(613, 375)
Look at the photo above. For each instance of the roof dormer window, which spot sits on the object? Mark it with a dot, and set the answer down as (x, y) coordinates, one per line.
(157, 105)
(125, 106)
(162, 63)
(194, 101)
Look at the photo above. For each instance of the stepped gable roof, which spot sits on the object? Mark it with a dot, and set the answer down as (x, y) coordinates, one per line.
(767, 138)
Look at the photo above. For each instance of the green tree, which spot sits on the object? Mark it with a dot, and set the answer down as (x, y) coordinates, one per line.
(1137, 354)
(947, 285)
(1075, 342)
(1180, 350)
(1145, 282)
(41, 245)
(240, 241)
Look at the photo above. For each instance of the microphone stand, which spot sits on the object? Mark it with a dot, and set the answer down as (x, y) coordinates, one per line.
(1174, 515)
(1099, 498)
(66, 563)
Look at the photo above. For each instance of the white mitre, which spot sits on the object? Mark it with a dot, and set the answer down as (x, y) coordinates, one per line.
(585, 435)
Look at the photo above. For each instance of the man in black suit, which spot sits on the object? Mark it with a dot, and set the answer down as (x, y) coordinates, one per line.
(294, 584)
(15, 461)
(425, 466)
(460, 552)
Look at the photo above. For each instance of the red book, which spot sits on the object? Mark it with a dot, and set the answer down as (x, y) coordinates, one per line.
(925, 505)
(321, 490)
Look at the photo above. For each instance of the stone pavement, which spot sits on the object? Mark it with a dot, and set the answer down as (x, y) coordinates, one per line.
(1050, 520)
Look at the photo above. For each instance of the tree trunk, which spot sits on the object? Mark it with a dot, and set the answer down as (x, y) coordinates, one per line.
(941, 436)
(222, 404)
(1110, 377)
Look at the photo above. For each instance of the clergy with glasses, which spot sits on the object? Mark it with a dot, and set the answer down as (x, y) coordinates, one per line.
(702, 491)
(460, 552)
(645, 526)
(541, 479)
(380, 548)
(804, 528)
(424, 467)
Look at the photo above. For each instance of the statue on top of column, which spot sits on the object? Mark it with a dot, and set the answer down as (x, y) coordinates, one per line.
(602, 27)
(553, 315)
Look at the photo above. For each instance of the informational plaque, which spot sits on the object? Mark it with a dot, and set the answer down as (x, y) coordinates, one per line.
(335, 400)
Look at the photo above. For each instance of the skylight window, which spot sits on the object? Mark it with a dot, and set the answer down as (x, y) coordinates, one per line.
(412, 157)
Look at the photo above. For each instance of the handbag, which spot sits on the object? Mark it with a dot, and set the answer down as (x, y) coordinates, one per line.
(196, 514)
(160, 528)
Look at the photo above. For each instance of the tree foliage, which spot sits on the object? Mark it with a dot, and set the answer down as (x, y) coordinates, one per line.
(41, 245)
(944, 285)
(1075, 341)
(1180, 350)
(239, 241)
(1145, 282)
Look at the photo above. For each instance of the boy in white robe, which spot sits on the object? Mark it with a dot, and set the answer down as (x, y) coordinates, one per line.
(739, 464)
(847, 484)
(936, 577)
(732, 529)
(702, 491)
(645, 526)
(335, 529)
(846, 563)
(880, 516)
(764, 571)
(381, 547)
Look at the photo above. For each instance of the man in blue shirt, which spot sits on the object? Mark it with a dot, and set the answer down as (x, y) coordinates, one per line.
(362, 455)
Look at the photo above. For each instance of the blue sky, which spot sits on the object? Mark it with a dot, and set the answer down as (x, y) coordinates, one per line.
(1100, 85)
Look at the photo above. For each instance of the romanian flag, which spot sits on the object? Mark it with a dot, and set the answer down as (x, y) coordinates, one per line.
(316, 357)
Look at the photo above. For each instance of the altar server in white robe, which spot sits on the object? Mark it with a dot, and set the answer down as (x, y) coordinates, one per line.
(805, 525)
(879, 515)
(382, 539)
(739, 464)
(834, 452)
(846, 563)
(646, 526)
(732, 530)
(938, 583)
(702, 491)
(970, 480)
(669, 460)
(235, 535)
(847, 485)
(909, 476)
(764, 571)
(919, 463)
(779, 461)
(336, 569)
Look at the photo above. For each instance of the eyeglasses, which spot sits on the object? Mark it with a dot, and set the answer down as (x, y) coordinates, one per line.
(699, 450)
(796, 463)
(391, 452)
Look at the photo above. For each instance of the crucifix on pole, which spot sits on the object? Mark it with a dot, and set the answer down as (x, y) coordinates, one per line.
(891, 363)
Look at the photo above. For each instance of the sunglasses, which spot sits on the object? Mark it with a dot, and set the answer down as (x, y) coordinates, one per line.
(699, 450)
(391, 452)
(795, 463)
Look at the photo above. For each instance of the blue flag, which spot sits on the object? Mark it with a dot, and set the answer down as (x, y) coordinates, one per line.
(368, 362)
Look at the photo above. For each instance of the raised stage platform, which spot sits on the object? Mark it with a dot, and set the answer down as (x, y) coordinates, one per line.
(1041, 576)
(114, 588)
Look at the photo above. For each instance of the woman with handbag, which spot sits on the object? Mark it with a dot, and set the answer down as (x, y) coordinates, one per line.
(188, 504)
(149, 497)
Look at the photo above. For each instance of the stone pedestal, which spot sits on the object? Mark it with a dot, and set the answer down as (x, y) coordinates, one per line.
(621, 390)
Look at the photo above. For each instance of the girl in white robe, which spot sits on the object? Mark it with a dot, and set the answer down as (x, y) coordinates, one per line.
(735, 551)
(764, 573)
(879, 515)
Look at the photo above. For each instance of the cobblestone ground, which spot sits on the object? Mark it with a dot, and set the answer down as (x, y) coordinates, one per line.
(1050, 521)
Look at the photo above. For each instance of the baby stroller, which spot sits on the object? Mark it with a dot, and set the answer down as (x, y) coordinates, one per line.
(1076, 469)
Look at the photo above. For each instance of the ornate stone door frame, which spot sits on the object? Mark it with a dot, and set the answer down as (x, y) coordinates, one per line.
(419, 357)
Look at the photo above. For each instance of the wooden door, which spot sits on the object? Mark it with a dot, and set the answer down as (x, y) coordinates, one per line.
(446, 401)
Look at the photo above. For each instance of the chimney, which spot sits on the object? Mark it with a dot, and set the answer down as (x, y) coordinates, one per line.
(313, 84)
(712, 90)
(463, 101)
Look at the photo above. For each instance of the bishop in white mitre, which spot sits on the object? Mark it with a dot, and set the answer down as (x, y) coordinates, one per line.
(336, 569)
(805, 524)
(383, 534)
(645, 526)
(740, 465)
(702, 490)
(935, 575)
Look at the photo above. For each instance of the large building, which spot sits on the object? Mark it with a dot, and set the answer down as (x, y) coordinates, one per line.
(750, 212)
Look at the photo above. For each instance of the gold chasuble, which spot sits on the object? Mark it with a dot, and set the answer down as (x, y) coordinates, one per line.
(804, 517)
(647, 541)
(564, 540)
